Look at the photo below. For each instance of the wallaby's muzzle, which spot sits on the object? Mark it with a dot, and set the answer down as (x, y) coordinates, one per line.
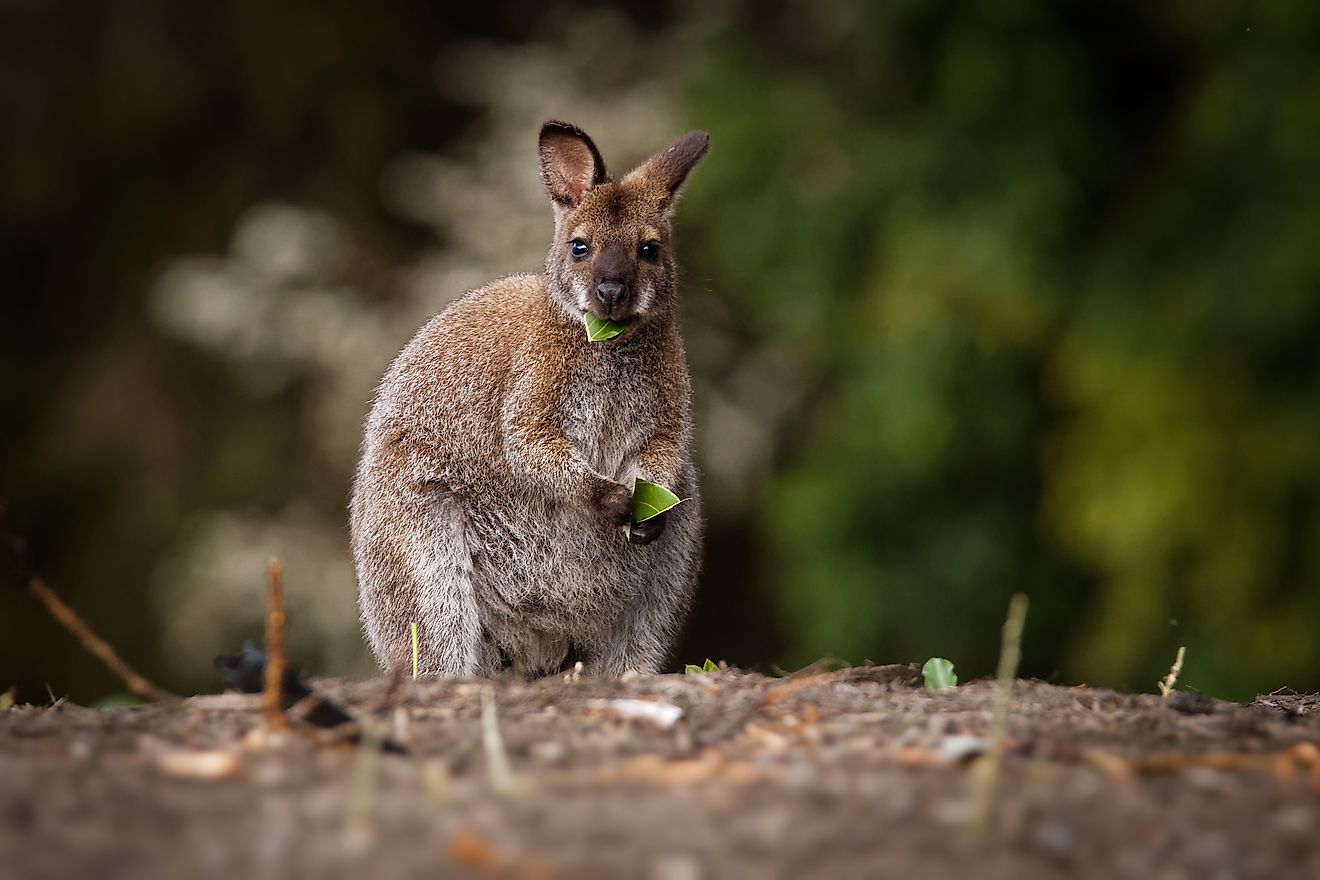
(611, 273)
(610, 294)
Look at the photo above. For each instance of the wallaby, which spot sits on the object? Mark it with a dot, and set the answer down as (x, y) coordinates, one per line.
(497, 469)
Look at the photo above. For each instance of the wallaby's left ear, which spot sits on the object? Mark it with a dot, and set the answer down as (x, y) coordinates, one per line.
(570, 162)
(670, 166)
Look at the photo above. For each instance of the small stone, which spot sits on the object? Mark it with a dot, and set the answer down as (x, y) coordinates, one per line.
(1053, 837)
(663, 715)
(676, 867)
(547, 751)
(957, 748)
(213, 764)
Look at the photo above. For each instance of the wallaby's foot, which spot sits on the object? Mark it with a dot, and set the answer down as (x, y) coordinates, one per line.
(648, 531)
(616, 503)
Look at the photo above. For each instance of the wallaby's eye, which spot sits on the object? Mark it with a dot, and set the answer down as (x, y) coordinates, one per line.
(579, 249)
(650, 250)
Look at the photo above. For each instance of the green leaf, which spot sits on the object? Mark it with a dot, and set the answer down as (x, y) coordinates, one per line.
(710, 666)
(939, 674)
(599, 330)
(691, 668)
(651, 499)
(121, 700)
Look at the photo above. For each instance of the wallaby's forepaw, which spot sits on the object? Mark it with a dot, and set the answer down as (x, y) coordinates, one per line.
(616, 503)
(646, 532)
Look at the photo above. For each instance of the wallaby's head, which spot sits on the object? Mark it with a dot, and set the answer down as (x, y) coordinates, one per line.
(611, 252)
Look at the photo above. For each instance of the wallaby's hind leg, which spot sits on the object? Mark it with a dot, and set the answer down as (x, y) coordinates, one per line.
(417, 570)
(643, 635)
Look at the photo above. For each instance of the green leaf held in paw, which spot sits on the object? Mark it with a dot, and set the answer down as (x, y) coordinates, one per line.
(598, 329)
(939, 674)
(708, 666)
(650, 500)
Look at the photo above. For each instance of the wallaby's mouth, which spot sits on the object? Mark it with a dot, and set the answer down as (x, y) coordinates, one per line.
(600, 329)
(618, 315)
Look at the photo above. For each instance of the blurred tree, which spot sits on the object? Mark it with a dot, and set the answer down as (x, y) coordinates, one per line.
(134, 131)
(1048, 268)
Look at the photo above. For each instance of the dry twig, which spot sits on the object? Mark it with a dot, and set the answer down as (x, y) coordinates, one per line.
(1283, 764)
(474, 852)
(394, 691)
(1010, 654)
(502, 780)
(276, 660)
(67, 617)
(366, 779)
(1167, 683)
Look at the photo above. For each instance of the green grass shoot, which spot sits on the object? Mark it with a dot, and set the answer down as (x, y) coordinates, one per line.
(412, 628)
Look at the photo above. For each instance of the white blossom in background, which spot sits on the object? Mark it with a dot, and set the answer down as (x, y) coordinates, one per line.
(213, 592)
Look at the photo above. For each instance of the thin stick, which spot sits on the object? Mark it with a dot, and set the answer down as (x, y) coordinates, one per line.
(501, 777)
(79, 628)
(412, 627)
(393, 695)
(275, 657)
(1010, 654)
(366, 778)
(1167, 683)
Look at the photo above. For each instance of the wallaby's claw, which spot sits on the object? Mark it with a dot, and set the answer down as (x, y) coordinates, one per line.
(646, 532)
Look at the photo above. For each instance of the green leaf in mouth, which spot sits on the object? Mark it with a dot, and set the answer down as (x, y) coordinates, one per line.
(651, 499)
(598, 329)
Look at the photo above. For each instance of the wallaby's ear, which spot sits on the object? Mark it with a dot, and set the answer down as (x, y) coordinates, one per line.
(570, 162)
(670, 166)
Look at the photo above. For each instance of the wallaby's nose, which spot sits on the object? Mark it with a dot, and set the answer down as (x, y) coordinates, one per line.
(608, 292)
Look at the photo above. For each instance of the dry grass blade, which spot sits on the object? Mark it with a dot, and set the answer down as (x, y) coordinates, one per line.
(366, 781)
(394, 691)
(73, 622)
(1167, 683)
(1010, 654)
(502, 781)
(276, 659)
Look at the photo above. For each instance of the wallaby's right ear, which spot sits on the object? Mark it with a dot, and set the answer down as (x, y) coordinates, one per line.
(570, 162)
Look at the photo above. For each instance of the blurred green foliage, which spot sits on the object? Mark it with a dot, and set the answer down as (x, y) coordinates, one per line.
(1043, 276)
(1052, 271)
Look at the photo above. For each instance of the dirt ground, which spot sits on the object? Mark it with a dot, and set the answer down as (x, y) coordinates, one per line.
(852, 773)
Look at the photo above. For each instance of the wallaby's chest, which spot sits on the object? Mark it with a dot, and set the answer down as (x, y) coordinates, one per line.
(608, 410)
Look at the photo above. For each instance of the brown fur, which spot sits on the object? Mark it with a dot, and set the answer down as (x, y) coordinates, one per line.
(498, 459)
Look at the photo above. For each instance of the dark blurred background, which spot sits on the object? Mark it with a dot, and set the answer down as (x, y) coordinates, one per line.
(980, 298)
